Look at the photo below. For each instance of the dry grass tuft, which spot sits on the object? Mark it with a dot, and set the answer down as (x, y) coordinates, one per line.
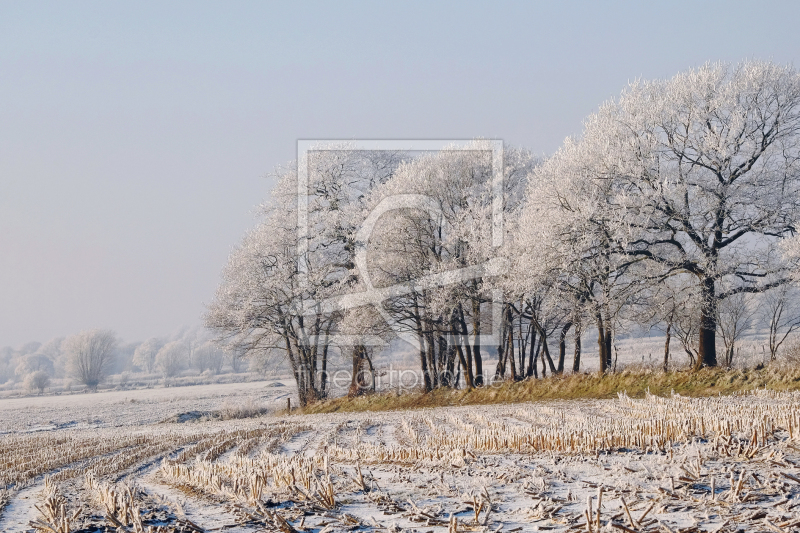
(247, 409)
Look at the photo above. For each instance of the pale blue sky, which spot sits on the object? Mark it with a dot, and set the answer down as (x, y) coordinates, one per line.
(135, 136)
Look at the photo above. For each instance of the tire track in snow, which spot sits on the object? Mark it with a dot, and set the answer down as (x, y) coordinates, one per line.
(19, 512)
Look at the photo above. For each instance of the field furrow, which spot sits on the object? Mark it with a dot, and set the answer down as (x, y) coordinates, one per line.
(652, 464)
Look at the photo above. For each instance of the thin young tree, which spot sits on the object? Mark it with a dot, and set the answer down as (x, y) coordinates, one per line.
(781, 312)
(734, 317)
(90, 354)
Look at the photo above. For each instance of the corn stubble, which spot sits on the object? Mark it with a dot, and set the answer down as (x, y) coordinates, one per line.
(656, 464)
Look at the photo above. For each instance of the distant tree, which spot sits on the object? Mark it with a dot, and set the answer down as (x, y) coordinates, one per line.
(123, 357)
(37, 381)
(145, 354)
(263, 362)
(208, 357)
(197, 359)
(34, 362)
(667, 306)
(90, 355)
(216, 359)
(172, 358)
(30, 347)
(781, 310)
(6, 366)
(236, 357)
(734, 317)
(52, 350)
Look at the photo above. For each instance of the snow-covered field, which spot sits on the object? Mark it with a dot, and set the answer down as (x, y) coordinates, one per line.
(655, 464)
(135, 407)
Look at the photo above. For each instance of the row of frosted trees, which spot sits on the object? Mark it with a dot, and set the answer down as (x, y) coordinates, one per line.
(89, 357)
(678, 203)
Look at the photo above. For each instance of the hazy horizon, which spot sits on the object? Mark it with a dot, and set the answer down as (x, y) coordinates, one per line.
(136, 138)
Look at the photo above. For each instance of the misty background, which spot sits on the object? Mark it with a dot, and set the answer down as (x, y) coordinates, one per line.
(137, 139)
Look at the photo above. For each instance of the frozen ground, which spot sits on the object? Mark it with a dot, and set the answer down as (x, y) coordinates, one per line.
(135, 407)
(717, 464)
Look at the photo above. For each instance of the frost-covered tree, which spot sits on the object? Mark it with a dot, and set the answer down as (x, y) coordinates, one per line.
(672, 306)
(568, 240)
(145, 354)
(256, 308)
(37, 381)
(172, 358)
(90, 354)
(207, 356)
(703, 172)
(780, 310)
(711, 177)
(30, 347)
(123, 358)
(53, 351)
(34, 362)
(267, 299)
(236, 357)
(734, 317)
(6, 363)
(443, 235)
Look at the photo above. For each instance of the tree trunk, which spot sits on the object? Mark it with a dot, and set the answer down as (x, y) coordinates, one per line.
(531, 363)
(576, 360)
(303, 385)
(358, 380)
(371, 370)
(510, 348)
(463, 363)
(457, 373)
(500, 369)
(666, 346)
(469, 376)
(562, 347)
(545, 348)
(601, 344)
(431, 350)
(521, 344)
(323, 377)
(543, 343)
(707, 349)
(443, 357)
(450, 376)
(355, 360)
(546, 351)
(476, 347)
(423, 359)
